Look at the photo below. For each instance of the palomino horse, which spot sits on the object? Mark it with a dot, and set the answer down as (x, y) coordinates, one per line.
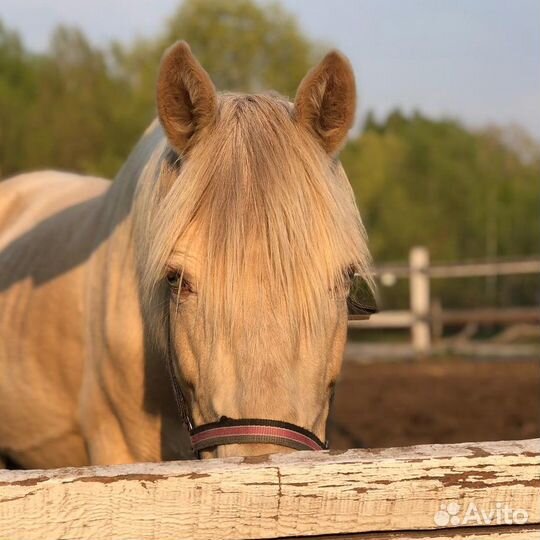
(226, 244)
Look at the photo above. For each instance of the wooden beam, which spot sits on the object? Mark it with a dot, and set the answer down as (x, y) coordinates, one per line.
(404, 318)
(502, 532)
(471, 269)
(491, 315)
(298, 494)
(500, 268)
(385, 319)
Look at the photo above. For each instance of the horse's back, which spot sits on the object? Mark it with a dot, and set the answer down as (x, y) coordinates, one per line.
(28, 198)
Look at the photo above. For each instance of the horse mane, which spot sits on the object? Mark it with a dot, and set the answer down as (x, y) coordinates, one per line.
(275, 219)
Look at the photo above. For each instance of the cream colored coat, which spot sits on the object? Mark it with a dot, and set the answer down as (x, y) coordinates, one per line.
(76, 386)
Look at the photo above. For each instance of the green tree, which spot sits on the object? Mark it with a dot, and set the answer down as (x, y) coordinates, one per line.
(464, 194)
(18, 88)
(244, 45)
(82, 108)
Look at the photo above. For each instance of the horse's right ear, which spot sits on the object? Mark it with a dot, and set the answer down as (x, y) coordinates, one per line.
(186, 96)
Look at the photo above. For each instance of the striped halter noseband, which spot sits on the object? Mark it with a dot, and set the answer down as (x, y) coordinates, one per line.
(254, 430)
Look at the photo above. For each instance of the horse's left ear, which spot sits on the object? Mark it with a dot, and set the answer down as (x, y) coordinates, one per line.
(186, 96)
(326, 101)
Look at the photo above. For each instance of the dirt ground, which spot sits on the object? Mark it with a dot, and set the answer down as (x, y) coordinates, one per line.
(435, 401)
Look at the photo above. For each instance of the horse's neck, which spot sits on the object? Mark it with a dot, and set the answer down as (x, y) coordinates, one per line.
(115, 220)
(119, 204)
(112, 275)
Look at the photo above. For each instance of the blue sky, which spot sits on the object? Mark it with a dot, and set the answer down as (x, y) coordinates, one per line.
(478, 60)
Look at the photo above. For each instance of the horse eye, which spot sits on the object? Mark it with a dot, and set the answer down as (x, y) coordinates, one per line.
(178, 282)
(173, 279)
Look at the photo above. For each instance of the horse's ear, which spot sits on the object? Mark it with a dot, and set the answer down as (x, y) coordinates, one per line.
(326, 101)
(186, 96)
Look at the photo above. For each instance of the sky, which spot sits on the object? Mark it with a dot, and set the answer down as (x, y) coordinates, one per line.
(477, 60)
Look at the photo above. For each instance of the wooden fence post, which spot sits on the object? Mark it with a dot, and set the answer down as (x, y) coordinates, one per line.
(419, 298)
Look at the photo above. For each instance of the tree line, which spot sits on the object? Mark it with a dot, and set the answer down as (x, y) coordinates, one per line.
(464, 193)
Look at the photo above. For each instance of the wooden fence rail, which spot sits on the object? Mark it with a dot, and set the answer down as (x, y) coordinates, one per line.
(422, 319)
(471, 490)
(472, 269)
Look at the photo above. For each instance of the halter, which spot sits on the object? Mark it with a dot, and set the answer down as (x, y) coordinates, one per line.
(252, 430)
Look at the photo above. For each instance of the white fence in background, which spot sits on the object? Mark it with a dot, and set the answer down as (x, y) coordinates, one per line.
(426, 319)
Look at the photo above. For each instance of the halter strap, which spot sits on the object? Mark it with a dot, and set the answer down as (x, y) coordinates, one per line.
(254, 430)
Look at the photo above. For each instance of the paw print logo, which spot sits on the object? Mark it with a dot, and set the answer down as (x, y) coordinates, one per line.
(448, 514)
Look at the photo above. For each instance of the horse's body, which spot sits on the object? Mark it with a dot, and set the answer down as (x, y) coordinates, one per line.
(72, 361)
(85, 321)
(46, 221)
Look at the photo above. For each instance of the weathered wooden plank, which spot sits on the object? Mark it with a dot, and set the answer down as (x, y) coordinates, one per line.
(298, 494)
(502, 532)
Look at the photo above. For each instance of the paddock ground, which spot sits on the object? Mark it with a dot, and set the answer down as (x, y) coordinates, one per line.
(384, 404)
